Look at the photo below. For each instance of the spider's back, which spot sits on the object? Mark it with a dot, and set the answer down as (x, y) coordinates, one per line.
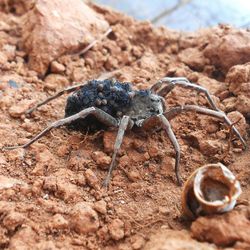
(106, 95)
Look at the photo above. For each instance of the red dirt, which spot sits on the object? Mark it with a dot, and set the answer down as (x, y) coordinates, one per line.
(51, 196)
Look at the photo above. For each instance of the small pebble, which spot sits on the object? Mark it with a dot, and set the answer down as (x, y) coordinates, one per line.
(102, 160)
(100, 206)
(91, 179)
(57, 67)
(116, 229)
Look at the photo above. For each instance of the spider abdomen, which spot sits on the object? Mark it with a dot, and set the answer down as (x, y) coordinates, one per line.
(106, 95)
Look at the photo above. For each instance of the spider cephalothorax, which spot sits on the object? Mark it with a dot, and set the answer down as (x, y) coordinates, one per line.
(115, 104)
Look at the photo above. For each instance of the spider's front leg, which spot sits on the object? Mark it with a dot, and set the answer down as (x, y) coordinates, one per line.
(124, 124)
(98, 113)
(169, 83)
(166, 125)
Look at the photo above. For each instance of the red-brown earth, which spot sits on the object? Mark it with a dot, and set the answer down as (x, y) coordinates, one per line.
(50, 193)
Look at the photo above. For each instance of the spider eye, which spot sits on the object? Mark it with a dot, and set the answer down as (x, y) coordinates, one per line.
(154, 99)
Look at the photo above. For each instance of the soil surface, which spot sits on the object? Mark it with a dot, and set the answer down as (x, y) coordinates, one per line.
(50, 193)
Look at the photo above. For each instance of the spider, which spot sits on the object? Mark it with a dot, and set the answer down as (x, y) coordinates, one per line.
(114, 104)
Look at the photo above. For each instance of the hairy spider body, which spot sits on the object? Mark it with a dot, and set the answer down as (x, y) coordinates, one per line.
(114, 98)
(114, 104)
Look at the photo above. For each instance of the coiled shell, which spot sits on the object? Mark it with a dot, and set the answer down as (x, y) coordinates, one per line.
(210, 189)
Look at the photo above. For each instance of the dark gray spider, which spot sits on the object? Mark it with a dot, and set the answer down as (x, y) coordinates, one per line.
(116, 104)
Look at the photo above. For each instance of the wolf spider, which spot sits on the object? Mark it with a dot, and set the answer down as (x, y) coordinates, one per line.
(114, 104)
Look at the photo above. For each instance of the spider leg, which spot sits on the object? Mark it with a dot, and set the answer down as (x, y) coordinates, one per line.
(166, 125)
(182, 82)
(98, 113)
(118, 141)
(58, 94)
(214, 113)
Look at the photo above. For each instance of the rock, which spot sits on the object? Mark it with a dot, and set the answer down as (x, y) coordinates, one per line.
(133, 175)
(137, 242)
(124, 161)
(6, 207)
(230, 103)
(9, 51)
(63, 150)
(228, 47)
(116, 229)
(80, 25)
(4, 26)
(100, 206)
(108, 141)
(102, 160)
(3, 58)
(44, 158)
(55, 81)
(238, 78)
(24, 238)
(3, 161)
(13, 220)
(209, 147)
(20, 6)
(4, 239)
(167, 166)
(20, 108)
(58, 222)
(164, 210)
(243, 105)
(57, 67)
(61, 188)
(153, 150)
(16, 154)
(91, 179)
(223, 230)
(79, 159)
(175, 240)
(83, 219)
(237, 75)
(46, 245)
(194, 58)
(213, 86)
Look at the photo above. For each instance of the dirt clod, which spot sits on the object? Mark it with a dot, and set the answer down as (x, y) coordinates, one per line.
(7, 182)
(116, 229)
(20, 108)
(137, 242)
(58, 222)
(91, 179)
(13, 220)
(223, 230)
(100, 206)
(80, 24)
(228, 49)
(83, 218)
(102, 160)
(57, 67)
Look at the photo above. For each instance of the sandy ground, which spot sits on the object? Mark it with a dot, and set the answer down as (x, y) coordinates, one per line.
(50, 193)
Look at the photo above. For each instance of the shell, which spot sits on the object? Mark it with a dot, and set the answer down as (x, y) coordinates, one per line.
(210, 189)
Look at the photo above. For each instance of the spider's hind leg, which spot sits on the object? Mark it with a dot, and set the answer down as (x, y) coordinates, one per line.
(98, 113)
(67, 90)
